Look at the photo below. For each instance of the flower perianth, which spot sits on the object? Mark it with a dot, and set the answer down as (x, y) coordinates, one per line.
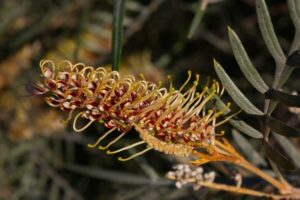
(168, 116)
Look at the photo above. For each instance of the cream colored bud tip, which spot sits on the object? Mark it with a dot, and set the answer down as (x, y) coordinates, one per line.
(229, 28)
(142, 75)
(216, 64)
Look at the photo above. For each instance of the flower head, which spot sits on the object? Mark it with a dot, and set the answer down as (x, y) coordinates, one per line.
(168, 120)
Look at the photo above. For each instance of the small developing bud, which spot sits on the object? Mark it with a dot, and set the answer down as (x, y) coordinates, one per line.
(239, 180)
(184, 174)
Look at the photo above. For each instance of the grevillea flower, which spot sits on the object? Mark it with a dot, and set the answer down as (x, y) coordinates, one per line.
(173, 121)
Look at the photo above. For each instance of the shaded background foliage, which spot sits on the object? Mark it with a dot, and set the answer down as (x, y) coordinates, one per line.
(41, 158)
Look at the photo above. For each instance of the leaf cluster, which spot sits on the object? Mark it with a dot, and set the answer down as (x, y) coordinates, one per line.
(273, 94)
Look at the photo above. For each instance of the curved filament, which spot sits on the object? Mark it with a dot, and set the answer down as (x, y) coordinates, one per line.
(112, 142)
(187, 80)
(228, 118)
(125, 148)
(84, 127)
(135, 155)
(68, 118)
(101, 138)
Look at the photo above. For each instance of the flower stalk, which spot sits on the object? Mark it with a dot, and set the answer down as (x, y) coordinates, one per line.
(224, 152)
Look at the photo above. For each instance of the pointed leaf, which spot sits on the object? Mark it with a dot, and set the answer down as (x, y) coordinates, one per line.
(289, 149)
(268, 33)
(245, 63)
(239, 124)
(200, 11)
(279, 159)
(283, 97)
(294, 8)
(238, 97)
(117, 33)
(281, 128)
(246, 128)
(248, 149)
(54, 191)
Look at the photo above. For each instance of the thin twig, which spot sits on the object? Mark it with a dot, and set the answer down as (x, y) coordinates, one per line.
(115, 176)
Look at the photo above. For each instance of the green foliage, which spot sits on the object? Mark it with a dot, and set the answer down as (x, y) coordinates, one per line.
(281, 128)
(283, 97)
(117, 34)
(289, 149)
(240, 124)
(200, 11)
(294, 8)
(247, 148)
(272, 95)
(239, 98)
(245, 63)
(268, 33)
(278, 158)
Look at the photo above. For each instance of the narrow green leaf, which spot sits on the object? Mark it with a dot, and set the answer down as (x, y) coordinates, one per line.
(294, 8)
(268, 33)
(281, 128)
(289, 149)
(283, 97)
(201, 7)
(82, 24)
(245, 63)
(279, 159)
(239, 124)
(248, 149)
(238, 97)
(117, 34)
(246, 128)
(54, 191)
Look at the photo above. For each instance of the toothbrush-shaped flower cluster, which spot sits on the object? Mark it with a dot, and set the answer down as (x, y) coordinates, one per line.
(168, 120)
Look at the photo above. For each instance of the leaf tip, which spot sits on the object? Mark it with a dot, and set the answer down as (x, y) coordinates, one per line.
(216, 64)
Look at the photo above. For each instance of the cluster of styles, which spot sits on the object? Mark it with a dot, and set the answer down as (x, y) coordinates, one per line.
(172, 121)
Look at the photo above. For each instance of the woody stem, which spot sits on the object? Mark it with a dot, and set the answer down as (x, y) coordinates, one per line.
(240, 161)
(279, 185)
(234, 189)
(239, 190)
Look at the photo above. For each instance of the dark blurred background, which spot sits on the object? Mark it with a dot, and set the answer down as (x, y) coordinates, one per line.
(41, 158)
